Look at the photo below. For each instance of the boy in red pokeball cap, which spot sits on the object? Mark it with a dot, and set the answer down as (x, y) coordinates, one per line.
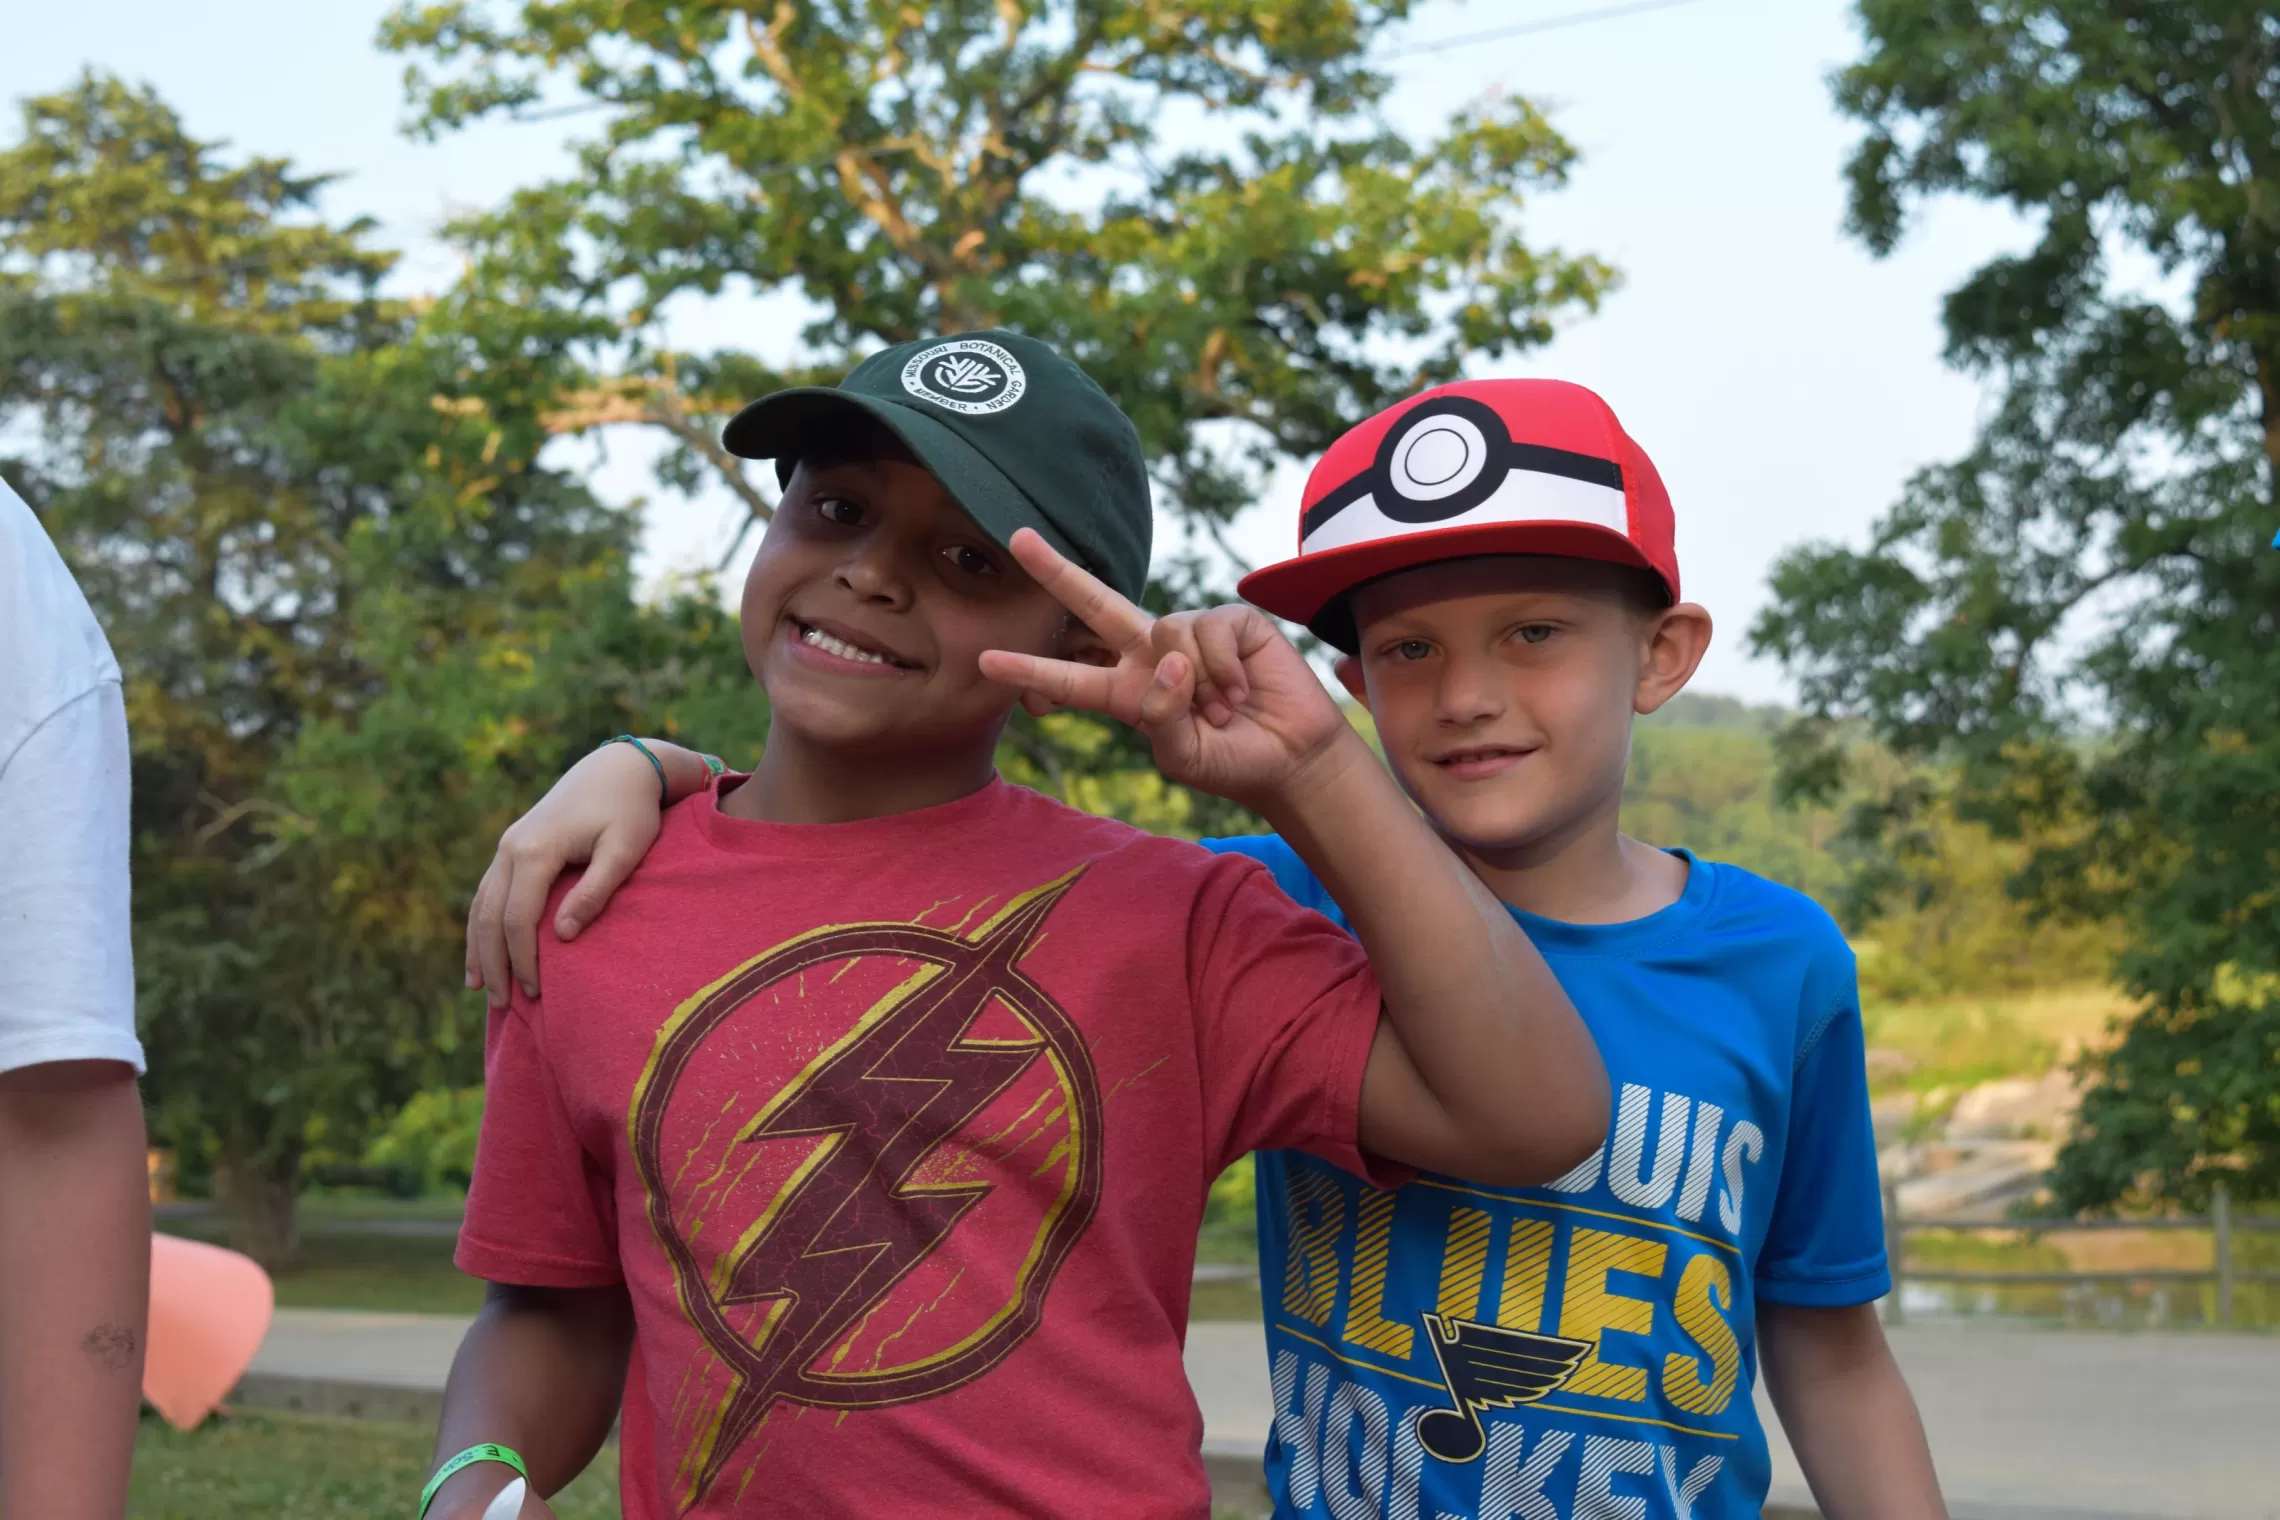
(1494, 563)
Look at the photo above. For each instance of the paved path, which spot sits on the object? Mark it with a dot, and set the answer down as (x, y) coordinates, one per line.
(2026, 1424)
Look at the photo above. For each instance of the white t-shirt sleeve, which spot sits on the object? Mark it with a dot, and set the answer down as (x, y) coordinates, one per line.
(67, 980)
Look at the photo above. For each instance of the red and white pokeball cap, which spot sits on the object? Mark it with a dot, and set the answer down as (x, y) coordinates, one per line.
(1479, 467)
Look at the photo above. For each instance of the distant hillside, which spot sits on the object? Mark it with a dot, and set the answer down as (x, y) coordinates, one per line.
(1692, 709)
(1940, 921)
(1701, 778)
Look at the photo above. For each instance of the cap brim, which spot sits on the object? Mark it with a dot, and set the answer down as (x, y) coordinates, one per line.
(1313, 588)
(774, 427)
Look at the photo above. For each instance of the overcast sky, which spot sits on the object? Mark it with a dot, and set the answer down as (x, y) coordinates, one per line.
(1785, 383)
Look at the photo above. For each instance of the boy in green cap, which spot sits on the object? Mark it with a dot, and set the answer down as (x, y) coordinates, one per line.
(864, 1146)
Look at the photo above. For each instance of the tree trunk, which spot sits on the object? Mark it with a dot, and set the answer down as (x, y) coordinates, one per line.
(258, 1204)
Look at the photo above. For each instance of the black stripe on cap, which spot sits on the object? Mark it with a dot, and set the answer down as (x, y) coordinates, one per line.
(1535, 458)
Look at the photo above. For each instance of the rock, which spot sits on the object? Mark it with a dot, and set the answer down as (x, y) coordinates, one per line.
(2015, 1107)
(1885, 1065)
(1889, 1115)
(1974, 1181)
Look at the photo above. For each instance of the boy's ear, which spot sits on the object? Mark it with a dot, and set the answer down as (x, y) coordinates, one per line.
(1676, 640)
(1348, 670)
(1076, 643)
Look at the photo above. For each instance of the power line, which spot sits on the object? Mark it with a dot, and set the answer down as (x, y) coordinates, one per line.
(1547, 24)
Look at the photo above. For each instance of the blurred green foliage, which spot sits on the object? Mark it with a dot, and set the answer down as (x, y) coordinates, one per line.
(2072, 633)
(360, 619)
(1931, 914)
(432, 1137)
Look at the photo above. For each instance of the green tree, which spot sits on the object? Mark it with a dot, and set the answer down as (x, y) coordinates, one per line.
(2083, 613)
(1923, 895)
(1701, 777)
(342, 590)
(901, 170)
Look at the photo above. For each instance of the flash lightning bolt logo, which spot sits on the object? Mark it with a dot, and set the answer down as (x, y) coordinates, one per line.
(852, 1222)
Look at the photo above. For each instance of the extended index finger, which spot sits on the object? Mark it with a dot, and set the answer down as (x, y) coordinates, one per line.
(1118, 623)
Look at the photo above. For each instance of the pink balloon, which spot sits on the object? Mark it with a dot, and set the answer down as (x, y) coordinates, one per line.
(209, 1309)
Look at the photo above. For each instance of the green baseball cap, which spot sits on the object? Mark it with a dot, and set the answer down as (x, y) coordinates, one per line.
(1018, 435)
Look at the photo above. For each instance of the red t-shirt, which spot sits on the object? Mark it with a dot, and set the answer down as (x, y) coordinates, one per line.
(899, 1134)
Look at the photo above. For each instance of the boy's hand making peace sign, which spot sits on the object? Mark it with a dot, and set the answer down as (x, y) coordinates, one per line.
(1481, 1068)
(1229, 706)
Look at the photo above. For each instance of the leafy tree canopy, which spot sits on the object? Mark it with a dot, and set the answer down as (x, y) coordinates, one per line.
(2083, 613)
(1926, 905)
(313, 522)
(1200, 204)
(909, 169)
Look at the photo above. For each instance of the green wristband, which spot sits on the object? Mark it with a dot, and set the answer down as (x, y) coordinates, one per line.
(664, 788)
(487, 1452)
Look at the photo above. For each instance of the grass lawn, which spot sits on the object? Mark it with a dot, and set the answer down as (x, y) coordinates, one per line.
(1957, 1043)
(348, 1263)
(307, 1467)
(1225, 1300)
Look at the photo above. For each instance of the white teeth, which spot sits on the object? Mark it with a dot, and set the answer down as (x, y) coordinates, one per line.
(840, 647)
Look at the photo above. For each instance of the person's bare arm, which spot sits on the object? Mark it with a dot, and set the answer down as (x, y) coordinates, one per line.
(1848, 1413)
(541, 1371)
(75, 1263)
(602, 814)
(1482, 1067)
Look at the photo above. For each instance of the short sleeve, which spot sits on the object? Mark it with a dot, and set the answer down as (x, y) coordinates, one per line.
(67, 979)
(539, 1212)
(1293, 875)
(1286, 1012)
(1824, 1247)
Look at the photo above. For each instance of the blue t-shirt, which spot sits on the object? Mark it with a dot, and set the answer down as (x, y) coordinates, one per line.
(1601, 1328)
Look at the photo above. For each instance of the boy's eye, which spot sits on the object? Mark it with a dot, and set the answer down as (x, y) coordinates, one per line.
(1535, 633)
(840, 510)
(1411, 649)
(970, 559)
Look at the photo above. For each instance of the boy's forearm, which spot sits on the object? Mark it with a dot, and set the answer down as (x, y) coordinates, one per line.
(1848, 1414)
(1478, 1013)
(541, 1371)
(75, 1259)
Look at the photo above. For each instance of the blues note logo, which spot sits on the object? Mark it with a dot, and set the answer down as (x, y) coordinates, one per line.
(1488, 1367)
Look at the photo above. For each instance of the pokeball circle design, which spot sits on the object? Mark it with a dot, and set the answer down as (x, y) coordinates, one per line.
(1440, 461)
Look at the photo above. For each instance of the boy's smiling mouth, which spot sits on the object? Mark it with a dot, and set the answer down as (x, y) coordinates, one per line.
(838, 647)
(1478, 762)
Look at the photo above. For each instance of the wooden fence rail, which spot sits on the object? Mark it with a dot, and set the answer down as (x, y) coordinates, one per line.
(2219, 1221)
